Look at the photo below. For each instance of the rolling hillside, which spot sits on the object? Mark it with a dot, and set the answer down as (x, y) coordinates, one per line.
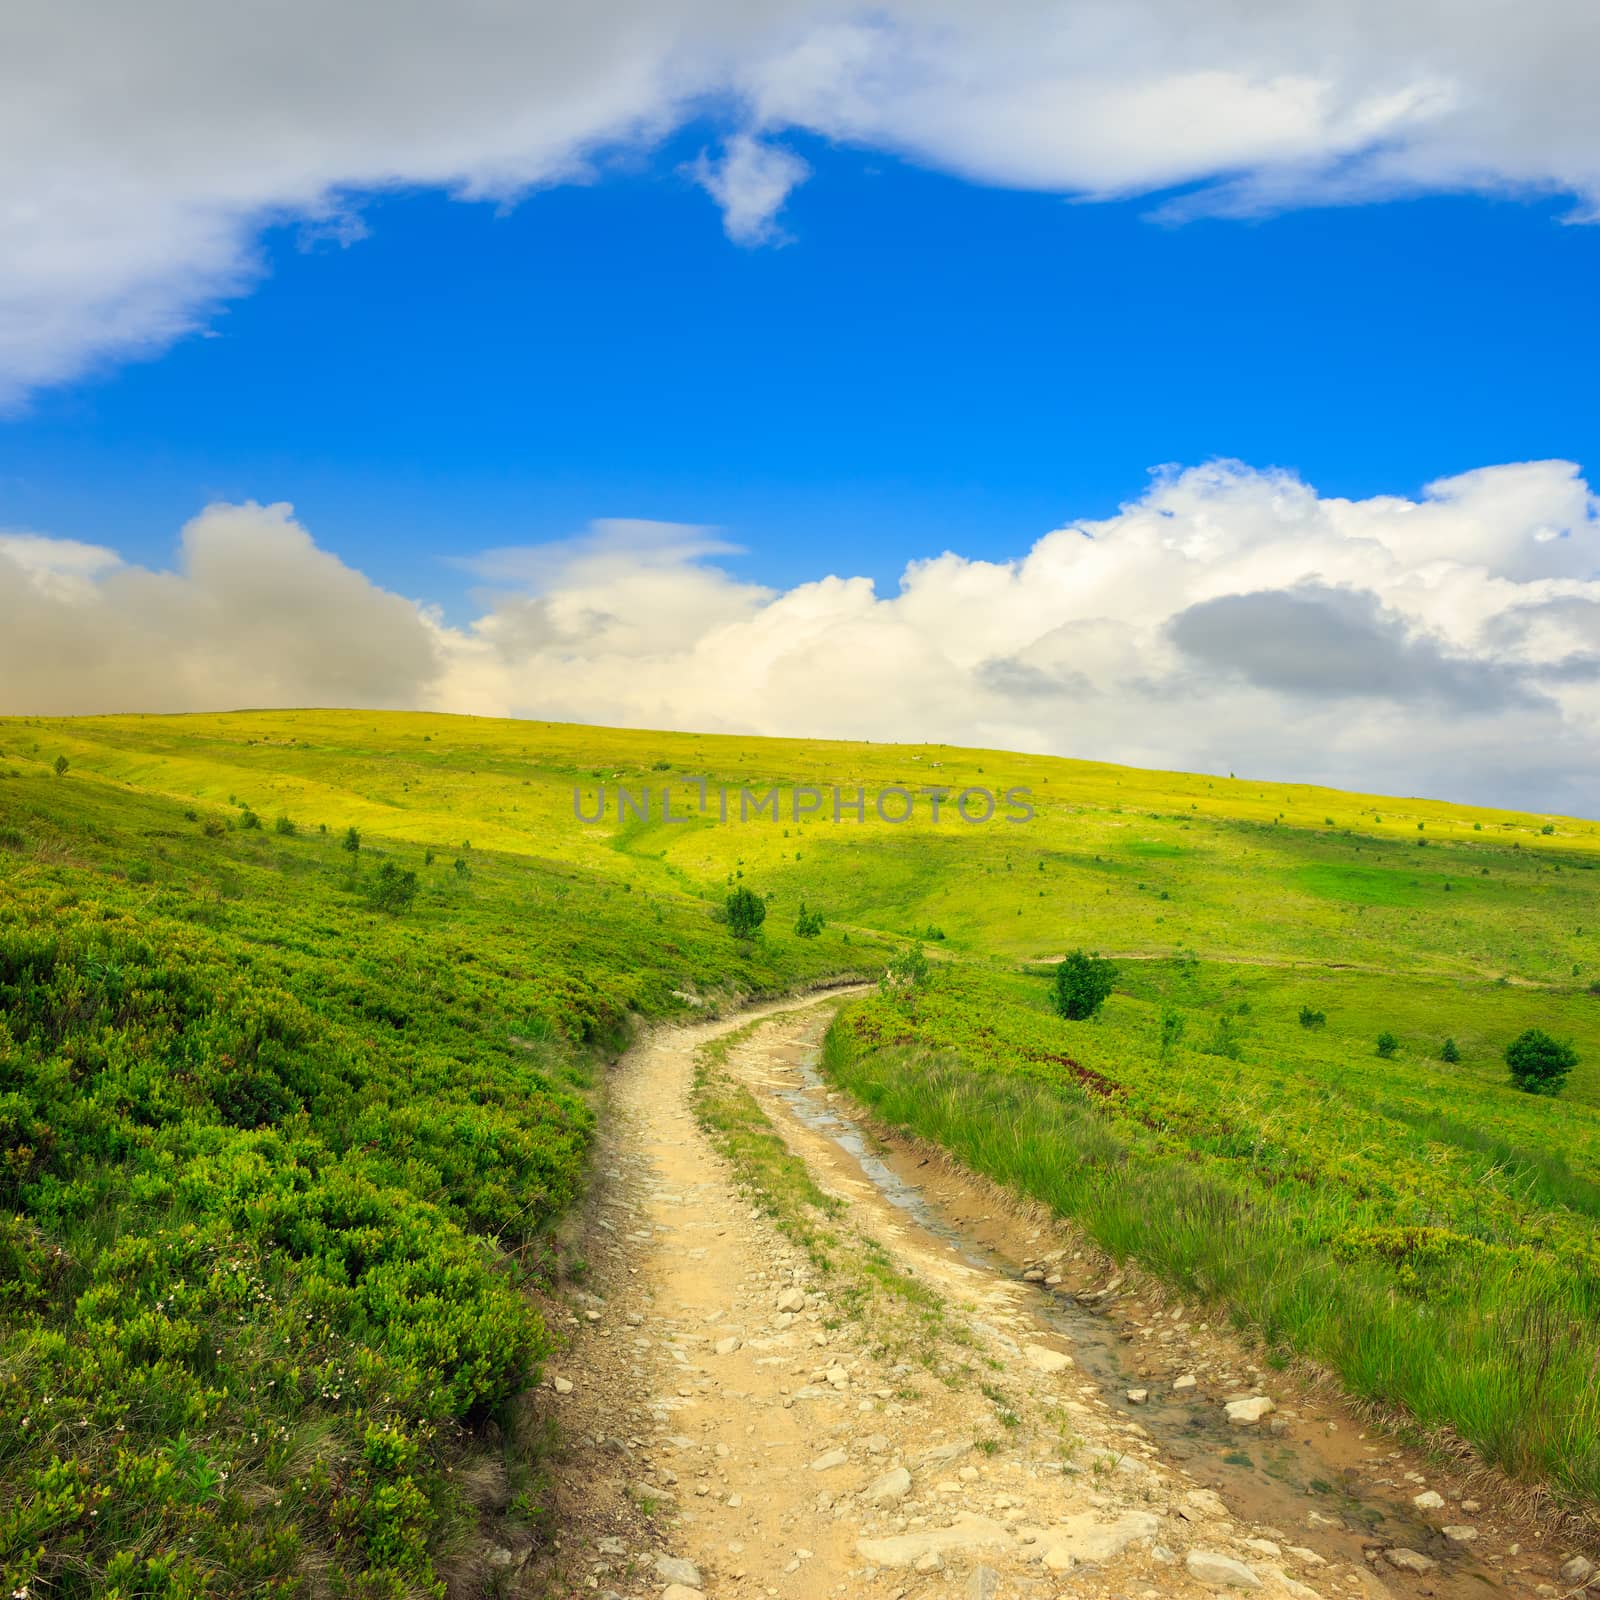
(284, 1132)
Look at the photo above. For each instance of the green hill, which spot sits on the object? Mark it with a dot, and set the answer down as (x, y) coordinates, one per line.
(284, 1131)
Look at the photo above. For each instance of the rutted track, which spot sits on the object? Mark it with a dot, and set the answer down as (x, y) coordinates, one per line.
(734, 1431)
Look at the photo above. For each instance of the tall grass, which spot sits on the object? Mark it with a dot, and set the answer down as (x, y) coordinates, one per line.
(1545, 1176)
(1503, 1355)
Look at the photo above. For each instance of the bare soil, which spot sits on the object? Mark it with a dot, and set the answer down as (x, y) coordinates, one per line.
(718, 1445)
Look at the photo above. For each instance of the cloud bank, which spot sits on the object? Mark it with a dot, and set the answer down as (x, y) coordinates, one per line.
(1228, 619)
(143, 148)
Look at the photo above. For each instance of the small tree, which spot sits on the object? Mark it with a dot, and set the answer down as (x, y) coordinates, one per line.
(393, 889)
(1388, 1043)
(1540, 1064)
(352, 839)
(1172, 1027)
(906, 973)
(1312, 1019)
(746, 912)
(61, 766)
(1225, 1039)
(285, 826)
(1082, 984)
(1451, 1052)
(808, 924)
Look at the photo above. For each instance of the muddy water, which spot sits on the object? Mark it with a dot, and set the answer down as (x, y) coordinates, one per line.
(1318, 1486)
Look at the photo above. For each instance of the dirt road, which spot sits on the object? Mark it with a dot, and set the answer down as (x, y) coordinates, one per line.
(944, 1398)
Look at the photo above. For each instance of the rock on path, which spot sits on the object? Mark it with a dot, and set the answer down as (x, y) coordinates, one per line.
(795, 1451)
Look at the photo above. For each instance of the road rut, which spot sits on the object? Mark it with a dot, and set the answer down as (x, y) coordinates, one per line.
(744, 1421)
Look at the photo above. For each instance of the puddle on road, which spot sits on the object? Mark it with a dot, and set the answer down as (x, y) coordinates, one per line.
(1272, 1480)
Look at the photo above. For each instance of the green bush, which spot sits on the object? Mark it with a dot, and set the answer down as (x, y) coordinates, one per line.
(906, 972)
(1312, 1019)
(284, 826)
(212, 1243)
(1083, 983)
(1539, 1064)
(1451, 1051)
(808, 924)
(1225, 1040)
(276, 1175)
(392, 888)
(1172, 1030)
(746, 912)
(1388, 1043)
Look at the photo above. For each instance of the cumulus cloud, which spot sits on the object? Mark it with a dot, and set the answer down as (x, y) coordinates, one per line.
(254, 615)
(628, 589)
(143, 148)
(1227, 619)
(750, 183)
(1324, 644)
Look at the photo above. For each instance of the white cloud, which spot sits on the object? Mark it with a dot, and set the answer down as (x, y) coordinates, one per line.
(41, 555)
(1226, 619)
(143, 148)
(255, 614)
(564, 563)
(750, 183)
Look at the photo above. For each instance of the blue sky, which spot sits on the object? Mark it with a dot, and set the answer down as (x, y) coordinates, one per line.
(928, 363)
(1193, 383)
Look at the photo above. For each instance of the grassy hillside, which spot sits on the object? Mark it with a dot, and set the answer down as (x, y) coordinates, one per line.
(252, 1125)
(276, 1168)
(1423, 1230)
(1132, 861)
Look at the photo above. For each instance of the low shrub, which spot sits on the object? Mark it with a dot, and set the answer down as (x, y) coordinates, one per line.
(1539, 1064)
(1082, 984)
(392, 888)
(746, 911)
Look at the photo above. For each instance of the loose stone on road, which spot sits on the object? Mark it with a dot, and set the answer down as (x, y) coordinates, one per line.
(736, 1430)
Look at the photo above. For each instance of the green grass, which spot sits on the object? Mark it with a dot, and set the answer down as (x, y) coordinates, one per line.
(1442, 1261)
(214, 1049)
(779, 1182)
(1363, 886)
(860, 1277)
(277, 1172)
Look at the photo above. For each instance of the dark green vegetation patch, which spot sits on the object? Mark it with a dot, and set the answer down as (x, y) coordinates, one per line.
(1364, 886)
(284, 1128)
